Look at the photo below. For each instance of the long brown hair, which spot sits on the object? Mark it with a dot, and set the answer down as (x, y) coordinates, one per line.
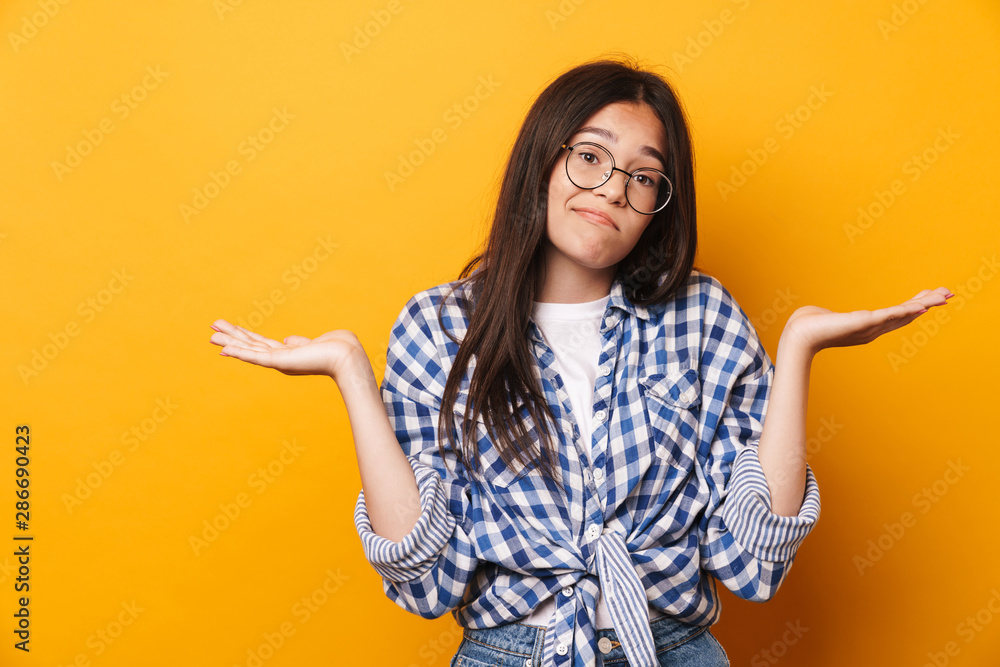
(503, 285)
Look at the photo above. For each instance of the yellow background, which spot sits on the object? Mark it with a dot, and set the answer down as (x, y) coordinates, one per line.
(886, 419)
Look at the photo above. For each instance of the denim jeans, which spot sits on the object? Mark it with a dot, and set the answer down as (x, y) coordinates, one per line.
(517, 644)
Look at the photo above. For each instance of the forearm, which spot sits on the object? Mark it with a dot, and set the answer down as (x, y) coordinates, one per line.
(782, 448)
(390, 488)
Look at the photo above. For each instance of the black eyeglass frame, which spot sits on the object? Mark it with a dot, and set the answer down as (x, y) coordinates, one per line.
(612, 171)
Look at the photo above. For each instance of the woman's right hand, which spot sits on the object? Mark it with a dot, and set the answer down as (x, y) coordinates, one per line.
(297, 355)
(391, 494)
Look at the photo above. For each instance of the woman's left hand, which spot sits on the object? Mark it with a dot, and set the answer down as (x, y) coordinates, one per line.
(818, 328)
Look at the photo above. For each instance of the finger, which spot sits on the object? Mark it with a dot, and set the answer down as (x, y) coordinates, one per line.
(944, 292)
(932, 299)
(916, 305)
(895, 317)
(258, 357)
(297, 340)
(241, 333)
(935, 297)
(232, 330)
(263, 340)
(219, 338)
(919, 294)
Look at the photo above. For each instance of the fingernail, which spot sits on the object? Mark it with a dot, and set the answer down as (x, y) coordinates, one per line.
(948, 295)
(215, 327)
(918, 312)
(224, 354)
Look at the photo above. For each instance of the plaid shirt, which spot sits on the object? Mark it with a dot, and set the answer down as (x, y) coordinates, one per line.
(668, 491)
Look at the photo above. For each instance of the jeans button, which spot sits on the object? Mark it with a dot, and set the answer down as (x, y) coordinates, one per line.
(604, 644)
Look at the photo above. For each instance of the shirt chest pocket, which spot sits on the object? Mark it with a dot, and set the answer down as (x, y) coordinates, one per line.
(673, 405)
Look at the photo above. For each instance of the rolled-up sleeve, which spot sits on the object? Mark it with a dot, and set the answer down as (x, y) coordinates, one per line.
(428, 570)
(747, 511)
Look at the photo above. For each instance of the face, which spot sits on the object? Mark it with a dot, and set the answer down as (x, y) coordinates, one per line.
(596, 229)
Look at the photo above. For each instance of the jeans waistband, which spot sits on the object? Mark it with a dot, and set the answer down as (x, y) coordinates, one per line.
(526, 641)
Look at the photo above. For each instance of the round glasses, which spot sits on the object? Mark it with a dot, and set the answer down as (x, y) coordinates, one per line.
(590, 165)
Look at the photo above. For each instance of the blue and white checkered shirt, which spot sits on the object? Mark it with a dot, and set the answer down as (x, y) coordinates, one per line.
(667, 497)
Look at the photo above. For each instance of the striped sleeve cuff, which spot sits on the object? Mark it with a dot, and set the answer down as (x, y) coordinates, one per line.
(747, 511)
(418, 551)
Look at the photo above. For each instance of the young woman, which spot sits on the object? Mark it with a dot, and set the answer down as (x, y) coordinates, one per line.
(569, 449)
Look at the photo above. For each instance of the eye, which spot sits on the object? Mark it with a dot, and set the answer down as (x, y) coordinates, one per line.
(588, 155)
(647, 179)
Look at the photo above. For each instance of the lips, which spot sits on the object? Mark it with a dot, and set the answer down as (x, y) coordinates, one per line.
(595, 216)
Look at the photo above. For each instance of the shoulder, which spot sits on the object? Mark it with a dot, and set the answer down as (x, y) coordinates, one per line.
(703, 296)
(706, 325)
(435, 310)
(729, 339)
(718, 301)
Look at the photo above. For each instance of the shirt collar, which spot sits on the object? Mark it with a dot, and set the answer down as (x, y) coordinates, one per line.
(619, 305)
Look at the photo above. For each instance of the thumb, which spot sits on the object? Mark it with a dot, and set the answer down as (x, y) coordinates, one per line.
(297, 340)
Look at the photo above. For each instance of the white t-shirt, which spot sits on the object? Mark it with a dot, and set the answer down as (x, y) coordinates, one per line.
(573, 331)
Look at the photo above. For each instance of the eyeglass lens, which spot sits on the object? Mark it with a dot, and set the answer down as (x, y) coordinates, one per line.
(589, 166)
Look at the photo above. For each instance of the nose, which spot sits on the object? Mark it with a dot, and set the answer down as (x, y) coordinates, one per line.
(614, 188)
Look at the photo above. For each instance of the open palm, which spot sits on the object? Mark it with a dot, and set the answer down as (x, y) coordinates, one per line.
(819, 328)
(297, 355)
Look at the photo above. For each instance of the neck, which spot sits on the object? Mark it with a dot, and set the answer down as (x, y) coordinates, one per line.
(564, 281)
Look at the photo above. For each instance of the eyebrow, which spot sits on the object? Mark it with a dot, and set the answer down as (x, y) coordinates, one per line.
(613, 138)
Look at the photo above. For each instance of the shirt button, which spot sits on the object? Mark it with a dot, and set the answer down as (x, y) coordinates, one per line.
(598, 474)
(600, 415)
(605, 370)
(562, 649)
(604, 644)
(568, 591)
(593, 531)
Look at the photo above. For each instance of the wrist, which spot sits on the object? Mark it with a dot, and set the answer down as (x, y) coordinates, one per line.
(354, 374)
(794, 345)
